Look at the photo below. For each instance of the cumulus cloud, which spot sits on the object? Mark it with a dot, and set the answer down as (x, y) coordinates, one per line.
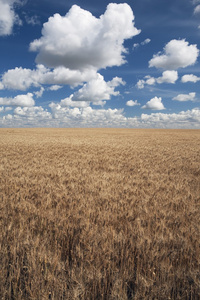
(19, 79)
(8, 17)
(184, 119)
(22, 78)
(98, 89)
(32, 112)
(40, 92)
(197, 10)
(89, 42)
(176, 54)
(1, 108)
(185, 97)
(140, 84)
(154, 104)
(89, 117)
(8, 108)
(190, 78)
(132, 103)
(55, 87)
(67, 102)
(167, 77)
(19, 100)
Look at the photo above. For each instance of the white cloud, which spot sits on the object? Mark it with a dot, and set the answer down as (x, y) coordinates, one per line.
(1, 108)
(28, 117)
(197, 10)
(132, 103)
(39, 93)
(8, 117)
(140, 84)
(145, 42)
(89, 43)
(176, 54)
(55, 87)
(8, 108)
(22, 79)
(8, 17)
(167, 77)
(154, 104)
(20, 100)
(185, 97)
(88, 117)
(98, 89)
(184, 119)
(19, 79)
(190, 78)
(150, 80)
(99, 103)
(67, 102)
(1, 86)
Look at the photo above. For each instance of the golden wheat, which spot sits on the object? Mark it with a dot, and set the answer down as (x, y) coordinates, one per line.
(99, 214)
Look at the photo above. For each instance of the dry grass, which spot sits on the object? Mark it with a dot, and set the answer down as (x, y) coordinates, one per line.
(99, 214)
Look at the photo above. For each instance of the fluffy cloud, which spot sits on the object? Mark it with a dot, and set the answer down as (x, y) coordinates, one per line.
(176, 54)
(22, 78)
(167, 77)
(20, 100)
(185, 97)
(184, 119)
(88, 117)
(8, 17)
(190, 78)
(89, 43)
(154, 104)
(67, 102)
(32, 112)
(132, 103)
(40, 92)
(197, 10)
(140, 84)
(98, 89)
(55, 87)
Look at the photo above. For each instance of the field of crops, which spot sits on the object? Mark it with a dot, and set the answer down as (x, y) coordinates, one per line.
(99, 214)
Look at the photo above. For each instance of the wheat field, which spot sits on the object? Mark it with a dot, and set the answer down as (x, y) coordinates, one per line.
(99, 214)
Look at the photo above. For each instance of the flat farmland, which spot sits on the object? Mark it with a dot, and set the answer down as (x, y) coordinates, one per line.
(99, 214)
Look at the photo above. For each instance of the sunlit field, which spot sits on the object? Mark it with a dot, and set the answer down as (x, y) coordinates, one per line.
(99, 214)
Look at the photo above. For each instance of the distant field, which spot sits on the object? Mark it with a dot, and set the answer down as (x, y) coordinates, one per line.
(99, 214)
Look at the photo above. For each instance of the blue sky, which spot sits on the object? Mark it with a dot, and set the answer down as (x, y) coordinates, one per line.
(131, 64)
